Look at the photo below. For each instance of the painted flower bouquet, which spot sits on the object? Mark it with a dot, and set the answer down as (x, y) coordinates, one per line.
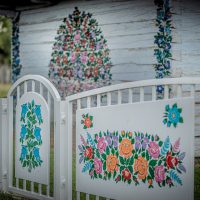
(30, 135)
(132, 158)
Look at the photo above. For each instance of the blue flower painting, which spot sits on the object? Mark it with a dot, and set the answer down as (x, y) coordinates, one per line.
(23, 131)
(23, 152)
(24, 111)
(38, 113)
(31, 135)
(37, 133)
(36, 153)
(172, 115)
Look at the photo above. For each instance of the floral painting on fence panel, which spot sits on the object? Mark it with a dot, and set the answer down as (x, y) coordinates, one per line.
(124, 147)
(32, 138)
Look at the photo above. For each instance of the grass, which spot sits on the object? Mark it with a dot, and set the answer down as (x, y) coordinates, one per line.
(4, 90)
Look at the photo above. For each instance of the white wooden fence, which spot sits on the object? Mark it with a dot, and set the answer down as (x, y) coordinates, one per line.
(62, 152)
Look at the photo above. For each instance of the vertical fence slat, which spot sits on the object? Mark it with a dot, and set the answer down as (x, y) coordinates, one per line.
(119, 96)
(33, 85)
(78, 104)
(32, 186)
(25, 86)
(89, 102)
(10, 140)
(18, 93)
(97, 197)
(153, 93)
(41, 89)
(17, 183)
(166, 92)
(98, 100)
(87, 197)
(141, 93)
(179, 91)
(24, 184)
(40, 188)
(77, 195)
(109, 98)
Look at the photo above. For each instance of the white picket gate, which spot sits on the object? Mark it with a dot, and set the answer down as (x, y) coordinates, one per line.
(62, 153)
(32, 86)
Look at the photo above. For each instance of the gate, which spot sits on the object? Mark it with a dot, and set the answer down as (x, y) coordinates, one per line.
(33, 139)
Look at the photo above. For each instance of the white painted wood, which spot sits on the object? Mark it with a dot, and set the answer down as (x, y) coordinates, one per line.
(59, 173)
(119, 97)
(128, 48)
(51, 88)
(108, 98)
(77, 195)
(153, 93)
(141, 93)
(87, 197)
(3, 145)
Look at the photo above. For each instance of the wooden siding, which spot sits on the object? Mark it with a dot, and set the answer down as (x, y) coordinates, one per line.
(129, 27)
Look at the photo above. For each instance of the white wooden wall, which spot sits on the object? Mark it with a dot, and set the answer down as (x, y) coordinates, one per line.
(129, 26)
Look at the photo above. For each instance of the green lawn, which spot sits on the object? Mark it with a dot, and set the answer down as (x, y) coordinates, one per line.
(4, 90)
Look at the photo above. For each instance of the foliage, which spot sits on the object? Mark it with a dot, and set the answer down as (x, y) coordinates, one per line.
(5, 40)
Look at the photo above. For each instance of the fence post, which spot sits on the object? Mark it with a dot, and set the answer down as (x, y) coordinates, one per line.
(60, 150)
(3, 145)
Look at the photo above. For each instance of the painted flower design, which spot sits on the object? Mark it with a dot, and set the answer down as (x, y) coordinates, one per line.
(80, 38)
(98, 165)
(171, 160)
(87, 121)
(141, 166)
(37, 133)
(38, 113)
(172, 115)
(154, 150)
(24, 110)
(159, 173)
(30, 135)
(125, 148)
(126, 174)
(111, 156)
(88, 153)
(111, 163)
(24, 152)
(163, 40)
(101, 145)
(23, 131)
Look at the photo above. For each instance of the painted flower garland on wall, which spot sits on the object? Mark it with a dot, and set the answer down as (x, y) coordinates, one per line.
(16, 66)
(80, 59)
(163, 40)
(30, 135)
(132, 158)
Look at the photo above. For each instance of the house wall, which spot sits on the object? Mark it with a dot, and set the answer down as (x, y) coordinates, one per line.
(129, 27)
